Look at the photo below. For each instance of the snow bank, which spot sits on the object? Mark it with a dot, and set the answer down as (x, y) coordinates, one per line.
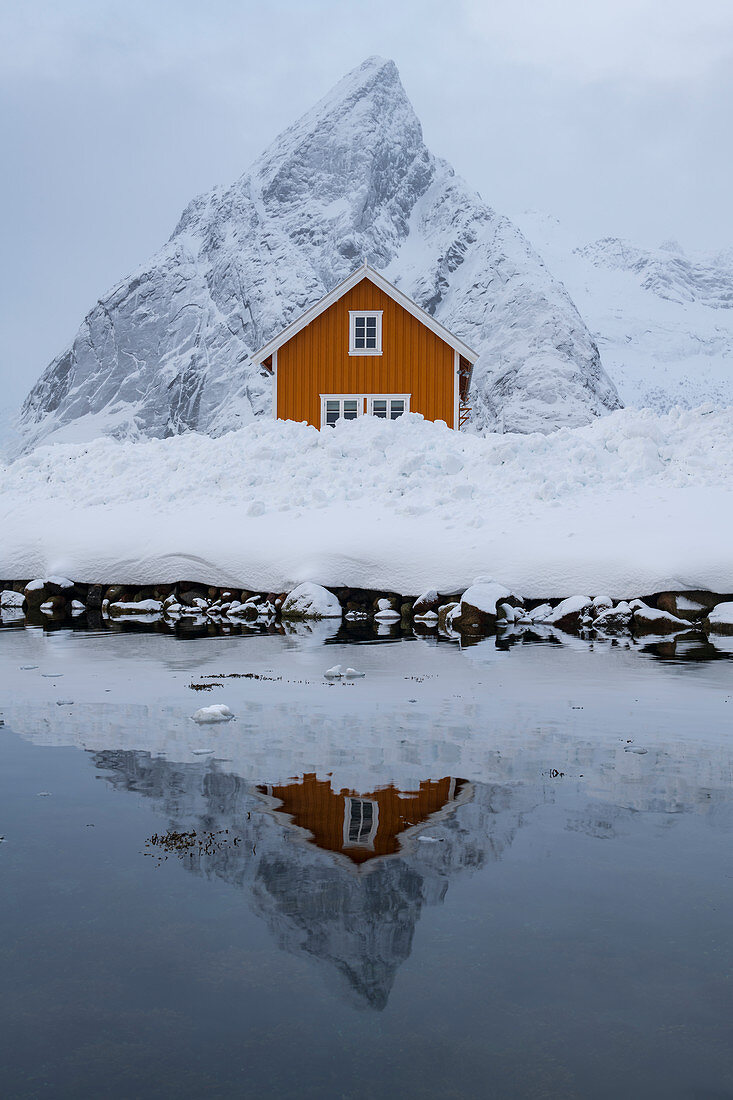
(630, 504)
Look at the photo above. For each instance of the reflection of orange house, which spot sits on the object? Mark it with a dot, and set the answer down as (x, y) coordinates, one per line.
(366, 349)
(366, 825)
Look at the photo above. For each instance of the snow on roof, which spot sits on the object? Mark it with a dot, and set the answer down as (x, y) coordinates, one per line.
(364, 271)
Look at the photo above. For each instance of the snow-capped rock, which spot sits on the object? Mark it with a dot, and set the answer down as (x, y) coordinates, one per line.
(10, 599)
(720, 619)
(569, 613)
(478, 609)
(168, 348)
(614, 620)
(311, 601)
(650, 620)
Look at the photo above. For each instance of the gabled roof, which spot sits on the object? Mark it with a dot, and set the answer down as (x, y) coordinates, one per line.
(364, 272)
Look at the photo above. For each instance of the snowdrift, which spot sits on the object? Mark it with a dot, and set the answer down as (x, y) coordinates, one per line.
(633, 503)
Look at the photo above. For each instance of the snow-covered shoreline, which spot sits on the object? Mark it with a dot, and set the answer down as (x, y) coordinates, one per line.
(633, 503)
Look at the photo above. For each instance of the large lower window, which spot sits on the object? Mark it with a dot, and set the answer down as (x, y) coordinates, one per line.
(341, 406)
(388, 406)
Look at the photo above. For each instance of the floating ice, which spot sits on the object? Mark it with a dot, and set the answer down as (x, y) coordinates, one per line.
(217, 712)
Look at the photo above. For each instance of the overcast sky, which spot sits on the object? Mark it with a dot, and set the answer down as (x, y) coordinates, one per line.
(613, 115)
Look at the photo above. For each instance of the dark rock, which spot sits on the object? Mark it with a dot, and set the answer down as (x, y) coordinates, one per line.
(428, 601)
(114, 593)
(54, 588)
(444, 611)
(59, 607)
(674, 603)
(35, 596)
(188, 596)
(94, 597)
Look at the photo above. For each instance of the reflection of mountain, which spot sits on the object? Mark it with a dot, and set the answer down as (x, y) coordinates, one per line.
(317, 899)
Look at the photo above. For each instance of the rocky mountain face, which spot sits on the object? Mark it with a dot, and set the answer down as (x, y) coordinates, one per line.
(168, 349)
(662, 319)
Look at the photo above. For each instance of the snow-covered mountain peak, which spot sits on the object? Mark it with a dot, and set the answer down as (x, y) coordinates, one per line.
(667, 272)
(672, 245)
(168, 349)
(366, 114)
(662, 318)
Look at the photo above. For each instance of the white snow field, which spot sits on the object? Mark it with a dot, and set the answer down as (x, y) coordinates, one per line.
(633, 503)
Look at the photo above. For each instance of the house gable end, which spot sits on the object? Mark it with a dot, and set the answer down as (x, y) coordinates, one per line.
(343, 288)
(316, 361)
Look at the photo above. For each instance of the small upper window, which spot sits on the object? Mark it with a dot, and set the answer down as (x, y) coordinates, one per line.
(365, 333)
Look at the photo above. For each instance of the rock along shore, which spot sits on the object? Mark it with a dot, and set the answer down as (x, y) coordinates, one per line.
(485, 608)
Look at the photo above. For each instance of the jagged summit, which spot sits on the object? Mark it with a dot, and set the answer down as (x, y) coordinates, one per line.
(168, 349)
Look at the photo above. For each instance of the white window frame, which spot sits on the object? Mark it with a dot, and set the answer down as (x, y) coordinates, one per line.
(358, 397)
(367, 840)
(372, 397)
(353, 314)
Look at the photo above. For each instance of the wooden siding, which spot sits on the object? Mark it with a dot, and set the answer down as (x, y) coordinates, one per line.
(313, 805)
(316, 360)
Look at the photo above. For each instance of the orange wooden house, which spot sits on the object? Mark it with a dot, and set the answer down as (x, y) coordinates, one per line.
(366, 349)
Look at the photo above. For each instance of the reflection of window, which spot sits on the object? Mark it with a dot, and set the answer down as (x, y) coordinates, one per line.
(340, 407)
(388, 406)
(365, 333)
(361, 819)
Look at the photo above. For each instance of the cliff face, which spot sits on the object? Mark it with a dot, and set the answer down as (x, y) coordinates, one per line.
(168, 349)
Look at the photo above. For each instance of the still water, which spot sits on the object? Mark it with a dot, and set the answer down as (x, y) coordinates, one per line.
(480, 872)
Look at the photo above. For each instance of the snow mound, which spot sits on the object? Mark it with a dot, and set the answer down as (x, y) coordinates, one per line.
(632, 503)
